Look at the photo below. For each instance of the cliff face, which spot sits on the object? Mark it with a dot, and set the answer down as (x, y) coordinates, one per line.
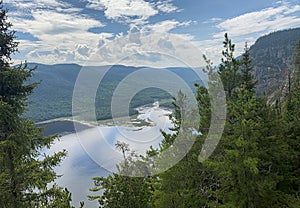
(272, 60)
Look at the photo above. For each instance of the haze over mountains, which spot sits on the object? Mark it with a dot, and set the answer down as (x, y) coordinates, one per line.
(271, 58)
(53, 97)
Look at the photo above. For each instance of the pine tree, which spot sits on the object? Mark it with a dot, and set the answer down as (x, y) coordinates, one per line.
(236, 162)
(256, 163)
(229, 67)
(291, 115)
(246, 68)
(25, 172)
(120, 189)
(296, 128)
(250, 146)
(187, 183)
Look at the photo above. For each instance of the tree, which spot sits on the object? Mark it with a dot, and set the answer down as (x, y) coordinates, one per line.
(246, 68)
(187, 183)
(246, 161)
(121, 189)
(256, 163)
(291, 130)
(229, 67)
(235, 161)
(25, 172)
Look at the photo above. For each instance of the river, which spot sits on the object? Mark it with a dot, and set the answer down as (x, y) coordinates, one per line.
(91, 151)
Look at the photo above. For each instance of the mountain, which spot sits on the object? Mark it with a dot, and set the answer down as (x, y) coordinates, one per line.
(272, 60)
(271, 57)
(52, 98)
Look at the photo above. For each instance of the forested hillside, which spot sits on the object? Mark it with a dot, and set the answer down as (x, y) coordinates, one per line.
(272, 60)
(53, 96)
(256, 163)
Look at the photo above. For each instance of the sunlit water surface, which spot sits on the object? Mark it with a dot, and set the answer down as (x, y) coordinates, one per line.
(92, 152)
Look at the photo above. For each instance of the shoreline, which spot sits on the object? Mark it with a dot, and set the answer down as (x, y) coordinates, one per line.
(100, 121)
(69, 125)
(103, 121)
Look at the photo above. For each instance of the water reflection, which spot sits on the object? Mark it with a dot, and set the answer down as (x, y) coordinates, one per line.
(91, 152)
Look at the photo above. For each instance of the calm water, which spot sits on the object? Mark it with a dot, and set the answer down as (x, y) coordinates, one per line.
(91, 151)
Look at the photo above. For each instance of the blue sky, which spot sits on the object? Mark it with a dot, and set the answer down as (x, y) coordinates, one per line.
(156, 33)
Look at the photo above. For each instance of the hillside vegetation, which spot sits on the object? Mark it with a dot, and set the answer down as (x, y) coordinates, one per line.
(52, 98)
(271, 58)
(272, 61)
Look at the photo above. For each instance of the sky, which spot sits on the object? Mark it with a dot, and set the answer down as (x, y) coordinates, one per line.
(156, 33)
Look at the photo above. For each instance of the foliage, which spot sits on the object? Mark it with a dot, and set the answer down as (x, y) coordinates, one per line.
(53, 97)
(120, 189)
(256, 163)
(246, 169)
(247, 165)
(272, 56)
(26, 174)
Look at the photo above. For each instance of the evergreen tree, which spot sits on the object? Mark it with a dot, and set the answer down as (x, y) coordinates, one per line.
(186, 184)
(250, 146)
(25, 172)
(295, 137)
(229, 67)
(246, 68)
(256, 163)
(291, 131)
(236, 161)
(122, 190)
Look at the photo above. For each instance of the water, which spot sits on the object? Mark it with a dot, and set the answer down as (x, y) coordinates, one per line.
(91, 152)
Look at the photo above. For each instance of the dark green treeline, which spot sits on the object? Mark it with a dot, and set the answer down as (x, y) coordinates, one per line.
(256, 163)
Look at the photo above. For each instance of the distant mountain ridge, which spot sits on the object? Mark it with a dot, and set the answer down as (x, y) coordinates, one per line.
(272, 60)
(271, 57)
(53, 96)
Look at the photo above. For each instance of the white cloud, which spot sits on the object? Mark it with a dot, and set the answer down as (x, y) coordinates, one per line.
(249, 27)
(46, 23)
(95, 4)
(63, 33)
(263, 21)
(62, 37)
(33, 4)
(167, 25)
(124, 10)
(213, 20)
(149, 48)
(166, 6)
(24, 8)
(216, 19)
(132, 11)
(294, 9)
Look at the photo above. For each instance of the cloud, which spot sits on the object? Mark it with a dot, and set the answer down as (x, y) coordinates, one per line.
(124, 10)
(61, 37)
(132, 11)
(263, 21)
(149, 48)
(166, 6)
(167, 25)
(249, 27)
(213, 20)
(62, 32)
(38, 3)
(65, 37)
(294, 9)
(45, 23)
